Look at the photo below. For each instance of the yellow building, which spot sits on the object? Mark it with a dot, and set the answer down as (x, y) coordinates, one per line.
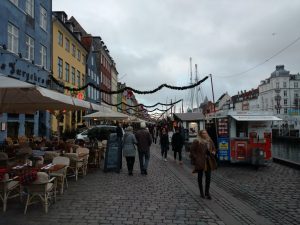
(68, 63)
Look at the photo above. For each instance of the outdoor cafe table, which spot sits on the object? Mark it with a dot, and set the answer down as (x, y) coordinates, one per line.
(19, 169)
(52, 167)
(82, 155)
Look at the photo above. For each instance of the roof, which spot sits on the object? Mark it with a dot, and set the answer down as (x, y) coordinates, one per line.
(255, 118)
(190, 116)
(280, 72)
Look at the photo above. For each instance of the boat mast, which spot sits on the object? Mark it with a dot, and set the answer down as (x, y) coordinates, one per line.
(196, 88)
(191, 82)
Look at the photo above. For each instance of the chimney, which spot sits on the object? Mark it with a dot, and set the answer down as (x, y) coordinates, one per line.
(280, 67)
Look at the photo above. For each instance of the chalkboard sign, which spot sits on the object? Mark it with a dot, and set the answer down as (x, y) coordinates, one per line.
(113, 154)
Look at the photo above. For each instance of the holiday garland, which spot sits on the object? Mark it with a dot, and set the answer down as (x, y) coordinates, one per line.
(125, 88)
(146, 106)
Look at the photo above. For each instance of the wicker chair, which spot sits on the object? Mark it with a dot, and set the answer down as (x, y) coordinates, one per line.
(49, 156)
(42, 188)
(9, 188)
(61, 175)
(76, 164)
(85, 159)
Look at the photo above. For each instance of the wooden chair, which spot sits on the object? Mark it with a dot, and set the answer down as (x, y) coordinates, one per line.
(9, 188)
(43, 188)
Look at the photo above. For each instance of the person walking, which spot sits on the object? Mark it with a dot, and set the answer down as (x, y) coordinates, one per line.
(129, 150)
(144, 142)
(119, 131)
(154, 134)
(202, 156)
(164, 144)
(177, 144)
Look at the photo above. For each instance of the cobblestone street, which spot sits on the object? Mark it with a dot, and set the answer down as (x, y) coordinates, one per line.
(169, 195)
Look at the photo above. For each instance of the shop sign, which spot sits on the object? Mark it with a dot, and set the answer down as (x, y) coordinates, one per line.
(224, 149)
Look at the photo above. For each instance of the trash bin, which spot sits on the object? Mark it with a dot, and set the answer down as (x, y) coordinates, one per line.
(258, 157)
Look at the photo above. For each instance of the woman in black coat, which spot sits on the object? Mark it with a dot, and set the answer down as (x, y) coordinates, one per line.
(164, 144)
(177, 144)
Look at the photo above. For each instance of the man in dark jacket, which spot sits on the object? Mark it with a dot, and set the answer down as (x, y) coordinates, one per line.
(144, 140)
(177, 144)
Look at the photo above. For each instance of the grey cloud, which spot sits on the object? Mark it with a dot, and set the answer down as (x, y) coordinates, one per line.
(151, 41)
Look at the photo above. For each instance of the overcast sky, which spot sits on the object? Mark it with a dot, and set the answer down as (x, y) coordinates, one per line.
(151, 41)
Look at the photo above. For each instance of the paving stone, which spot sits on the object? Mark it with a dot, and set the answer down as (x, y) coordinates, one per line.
(163, 197)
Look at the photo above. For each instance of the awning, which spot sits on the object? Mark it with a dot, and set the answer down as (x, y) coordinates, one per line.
(135, 119)
(255, 118)
(20, 97)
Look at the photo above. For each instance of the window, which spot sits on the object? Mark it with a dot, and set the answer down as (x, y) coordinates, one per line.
(284, 93)
(92, 60)
(89, 71)
(278, 111)
(73, 75)
(83, 59)
(29, 8)
(296, 85)
(43, 53)
(67, 45)
(285, 111)
(16, 2)
(285, 101)
(13, 38)
(89, 91)
(67, 72)
(284, 84)
(78, 78)
(43, 18)
(73, 50)
(29, 48)
(82, 80)
(277, 84)
(78, 55)
(60, 68)
(60, 38)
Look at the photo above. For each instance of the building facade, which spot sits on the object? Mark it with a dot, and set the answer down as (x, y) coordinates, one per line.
(279, 94)
(121, 98)
(246, 101)
(114, 85)
(69, 67)
(92, 71)
(25, 54)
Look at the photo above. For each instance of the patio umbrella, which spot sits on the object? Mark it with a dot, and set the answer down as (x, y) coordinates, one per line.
(107, 114)
(20, 97)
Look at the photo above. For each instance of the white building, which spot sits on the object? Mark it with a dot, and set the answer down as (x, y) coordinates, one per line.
(280, 94)
(246, 100)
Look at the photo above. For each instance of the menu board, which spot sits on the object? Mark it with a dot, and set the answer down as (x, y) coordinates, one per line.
(112, 154)
(223, 127)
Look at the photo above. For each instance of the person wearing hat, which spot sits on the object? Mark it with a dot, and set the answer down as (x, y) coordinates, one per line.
(144, 141)
(129, 151)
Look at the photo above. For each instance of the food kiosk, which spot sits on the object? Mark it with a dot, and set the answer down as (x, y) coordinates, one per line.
(242, 136)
